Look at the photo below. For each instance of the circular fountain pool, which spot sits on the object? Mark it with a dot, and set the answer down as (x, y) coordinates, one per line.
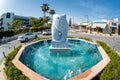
(60, 66)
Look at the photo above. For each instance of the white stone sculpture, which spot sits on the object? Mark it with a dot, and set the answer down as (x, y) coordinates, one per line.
(59, 34)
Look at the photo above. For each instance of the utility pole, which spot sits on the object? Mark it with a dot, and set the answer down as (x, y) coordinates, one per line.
(87, 18)
(88, 22)
(73, 20)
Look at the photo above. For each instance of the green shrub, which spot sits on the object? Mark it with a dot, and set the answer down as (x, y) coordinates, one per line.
(112, 69)
(35, 29)
(70, 37)
(88, 39)
(9, 33)
(6, 33)
(37, 39)
(21, 31)
(11, 71)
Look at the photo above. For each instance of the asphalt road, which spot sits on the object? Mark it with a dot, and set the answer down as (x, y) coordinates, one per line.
(113, 42)
(8, 47)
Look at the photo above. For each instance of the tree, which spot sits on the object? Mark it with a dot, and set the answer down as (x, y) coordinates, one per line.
(17, 24)
(36, 22)
(98, 29)
(41, 21)
(47, 19)
(70, 22)
(9, 25)
(33, 22)
(51, 12)
(45, 8)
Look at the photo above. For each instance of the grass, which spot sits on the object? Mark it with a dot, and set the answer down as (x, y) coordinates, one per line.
(70, 37)
(11, 71)
(85, 38)
(111, 71)
(37, 39)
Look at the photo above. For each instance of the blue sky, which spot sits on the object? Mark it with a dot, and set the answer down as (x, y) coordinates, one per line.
(75, 9)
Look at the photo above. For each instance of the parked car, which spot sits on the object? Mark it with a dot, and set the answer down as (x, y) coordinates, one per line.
(47, 32)
(26, 37)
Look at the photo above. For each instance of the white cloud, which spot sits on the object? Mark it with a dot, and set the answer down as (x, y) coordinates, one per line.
(104, 20)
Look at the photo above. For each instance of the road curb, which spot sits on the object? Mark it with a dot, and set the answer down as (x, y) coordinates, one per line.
(2, 72)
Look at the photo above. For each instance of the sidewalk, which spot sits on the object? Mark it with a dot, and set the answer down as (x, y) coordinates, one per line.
(2, 73)
(104, 35)
(6, 48)
(96, 34)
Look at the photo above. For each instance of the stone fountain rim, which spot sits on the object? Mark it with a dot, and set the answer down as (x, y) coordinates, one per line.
(87, 75)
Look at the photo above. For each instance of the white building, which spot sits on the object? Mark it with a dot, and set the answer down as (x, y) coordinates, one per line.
(105, 26)
(84, 25)
(108, 26)
(101, 24)
(10, 17)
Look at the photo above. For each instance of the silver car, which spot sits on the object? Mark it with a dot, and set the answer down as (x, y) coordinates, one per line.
(26, 37)
(47, 32)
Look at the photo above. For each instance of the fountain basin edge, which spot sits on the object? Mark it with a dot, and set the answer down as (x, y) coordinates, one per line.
(87, 75)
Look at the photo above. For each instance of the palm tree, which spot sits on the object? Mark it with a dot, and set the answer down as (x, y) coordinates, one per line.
(52, 11)
(45, 8)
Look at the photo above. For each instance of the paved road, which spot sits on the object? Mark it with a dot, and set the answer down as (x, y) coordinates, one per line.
(6, 48)
(113, 42)
(9, 46)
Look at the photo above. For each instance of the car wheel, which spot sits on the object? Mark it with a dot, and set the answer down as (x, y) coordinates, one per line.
(36, 36)
(21, 41)
(26, 39)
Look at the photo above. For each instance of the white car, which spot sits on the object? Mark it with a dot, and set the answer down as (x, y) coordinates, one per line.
(26, 37)
(47, 32)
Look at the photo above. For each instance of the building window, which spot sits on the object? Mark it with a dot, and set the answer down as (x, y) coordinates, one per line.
(8, 15)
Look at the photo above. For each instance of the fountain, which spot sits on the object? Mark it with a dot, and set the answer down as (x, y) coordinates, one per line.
(59, 34)
(59, 58)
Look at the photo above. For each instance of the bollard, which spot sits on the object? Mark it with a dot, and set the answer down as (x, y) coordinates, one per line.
(4, 54)
(113, 47)
(9, 47)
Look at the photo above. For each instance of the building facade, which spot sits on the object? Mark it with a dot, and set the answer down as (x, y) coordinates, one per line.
(9, 17)
(106, 26)
(84, 25)
(99, 26)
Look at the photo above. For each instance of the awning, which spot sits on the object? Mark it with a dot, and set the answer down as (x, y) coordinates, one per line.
(99, 25)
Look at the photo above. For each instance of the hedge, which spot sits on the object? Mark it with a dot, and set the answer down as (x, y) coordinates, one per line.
(11, 71)
(6, 33)
(111, 71)
(9, 33)
(35, 29)
(37, 39)
(21, 31)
